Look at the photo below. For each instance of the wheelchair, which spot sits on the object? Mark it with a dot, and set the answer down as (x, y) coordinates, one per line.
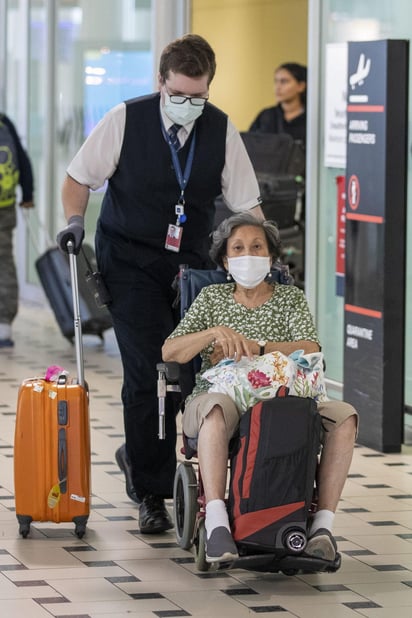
(189, 504)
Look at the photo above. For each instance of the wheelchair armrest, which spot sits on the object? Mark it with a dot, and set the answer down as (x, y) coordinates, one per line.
(171, 371)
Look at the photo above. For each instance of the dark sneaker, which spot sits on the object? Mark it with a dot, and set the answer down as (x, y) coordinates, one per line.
(322, 545)
(124, 465)
(153, 515)
(220, 547)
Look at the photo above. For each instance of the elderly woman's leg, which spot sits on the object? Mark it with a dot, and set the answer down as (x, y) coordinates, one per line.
(212, 418)
(212, 450)
(335, 462)
(340, 423)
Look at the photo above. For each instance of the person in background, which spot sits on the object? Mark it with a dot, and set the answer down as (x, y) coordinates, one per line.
(248, 317)
(15, 170)
(289, 115)
(166, 157)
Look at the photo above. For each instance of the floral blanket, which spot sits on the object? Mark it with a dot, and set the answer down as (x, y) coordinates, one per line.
(249, 381)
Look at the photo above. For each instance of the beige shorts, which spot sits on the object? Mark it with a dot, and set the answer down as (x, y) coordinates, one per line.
(333, 413)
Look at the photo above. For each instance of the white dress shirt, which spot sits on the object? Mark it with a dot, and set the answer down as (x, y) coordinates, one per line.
(98, 157)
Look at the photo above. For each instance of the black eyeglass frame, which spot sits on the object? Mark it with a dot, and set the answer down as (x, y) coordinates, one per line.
(179, 99)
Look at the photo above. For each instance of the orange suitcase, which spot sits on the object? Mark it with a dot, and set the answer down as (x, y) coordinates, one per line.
(52, 444)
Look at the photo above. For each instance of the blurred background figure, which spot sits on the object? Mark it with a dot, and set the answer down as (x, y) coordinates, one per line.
(289, 115)
(279, 137)
(15, 170)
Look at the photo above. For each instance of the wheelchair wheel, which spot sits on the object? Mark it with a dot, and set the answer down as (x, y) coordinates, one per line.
(200, 544)
(185, 505)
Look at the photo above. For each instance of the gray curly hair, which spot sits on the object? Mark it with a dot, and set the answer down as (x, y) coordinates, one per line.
(220, 236)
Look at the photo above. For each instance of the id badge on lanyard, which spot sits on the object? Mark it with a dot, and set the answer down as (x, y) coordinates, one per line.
(173, 237)
(175, 232)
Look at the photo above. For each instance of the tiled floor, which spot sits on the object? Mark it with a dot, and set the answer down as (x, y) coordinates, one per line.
(115, 572)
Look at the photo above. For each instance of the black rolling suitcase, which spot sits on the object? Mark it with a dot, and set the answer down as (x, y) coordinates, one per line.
(54, 274)
(282, 198)
(276, 153)
(273, 468)
(279, 163)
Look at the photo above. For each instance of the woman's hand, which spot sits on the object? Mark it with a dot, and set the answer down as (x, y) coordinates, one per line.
(228, 343)
(217, 355)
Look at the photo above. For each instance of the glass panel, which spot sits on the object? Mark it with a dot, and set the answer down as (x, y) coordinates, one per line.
(37, 112)
(103, 57)
(59, 84)
(16, 97)
(349, 20)
(13, 57)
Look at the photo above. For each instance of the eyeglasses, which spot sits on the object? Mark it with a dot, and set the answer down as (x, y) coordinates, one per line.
(179, 99)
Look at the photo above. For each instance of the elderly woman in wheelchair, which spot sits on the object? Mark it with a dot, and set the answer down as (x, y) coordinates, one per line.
(250, 316)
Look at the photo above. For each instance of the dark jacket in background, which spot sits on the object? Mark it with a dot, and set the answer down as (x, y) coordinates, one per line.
(272, 120)
(15, 167)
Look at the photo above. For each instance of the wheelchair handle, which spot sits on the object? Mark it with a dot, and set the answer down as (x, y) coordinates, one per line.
(166, 373)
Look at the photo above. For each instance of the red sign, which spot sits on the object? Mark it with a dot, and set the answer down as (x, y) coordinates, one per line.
(340, 225)
(353, 192)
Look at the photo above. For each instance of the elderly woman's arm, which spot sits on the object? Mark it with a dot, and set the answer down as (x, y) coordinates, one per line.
(182, 349)
(232, 344)
(271, 346)
(287, 347)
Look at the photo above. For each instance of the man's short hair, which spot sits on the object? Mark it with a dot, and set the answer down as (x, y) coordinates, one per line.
(191, 55)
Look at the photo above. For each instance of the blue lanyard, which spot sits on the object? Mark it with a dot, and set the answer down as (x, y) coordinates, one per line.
(182, 179)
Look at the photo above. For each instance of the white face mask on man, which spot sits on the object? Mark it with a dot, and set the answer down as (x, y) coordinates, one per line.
(182, 113)
(248, 270)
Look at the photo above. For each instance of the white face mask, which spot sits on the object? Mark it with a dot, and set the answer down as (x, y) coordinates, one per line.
(182, 113)
(248, 270)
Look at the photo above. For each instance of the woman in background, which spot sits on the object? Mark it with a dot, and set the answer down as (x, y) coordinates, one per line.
(289, 115)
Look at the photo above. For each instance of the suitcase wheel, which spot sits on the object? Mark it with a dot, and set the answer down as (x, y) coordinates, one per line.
(295, 540)
(24, 525)
(24, 530)
(80, 525)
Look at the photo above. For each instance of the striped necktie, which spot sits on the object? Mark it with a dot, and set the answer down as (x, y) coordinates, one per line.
(173, 136)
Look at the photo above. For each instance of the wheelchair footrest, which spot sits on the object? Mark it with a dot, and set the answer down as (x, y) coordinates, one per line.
(289, 565)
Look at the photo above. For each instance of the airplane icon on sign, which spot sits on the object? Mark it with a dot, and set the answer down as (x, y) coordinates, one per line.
(357, 78)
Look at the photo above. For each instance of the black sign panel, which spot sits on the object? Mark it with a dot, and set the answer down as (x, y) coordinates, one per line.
(375, 239)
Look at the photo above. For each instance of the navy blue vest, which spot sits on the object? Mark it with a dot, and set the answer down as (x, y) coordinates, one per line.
(140, 200)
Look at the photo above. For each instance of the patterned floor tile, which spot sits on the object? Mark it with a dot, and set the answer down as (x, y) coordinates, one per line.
(115, 572)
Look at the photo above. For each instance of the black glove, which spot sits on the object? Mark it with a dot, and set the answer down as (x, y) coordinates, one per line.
(73, 231)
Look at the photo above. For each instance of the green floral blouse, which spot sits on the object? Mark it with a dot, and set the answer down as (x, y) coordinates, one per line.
(285, 317)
